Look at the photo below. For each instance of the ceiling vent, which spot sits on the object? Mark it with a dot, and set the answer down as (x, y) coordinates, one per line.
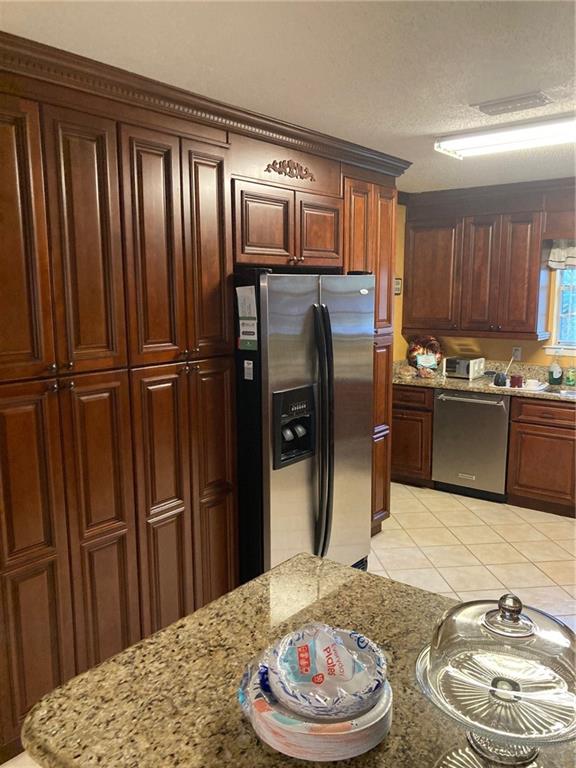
(514, 103)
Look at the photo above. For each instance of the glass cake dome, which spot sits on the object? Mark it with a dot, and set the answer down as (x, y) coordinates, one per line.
(505, 672)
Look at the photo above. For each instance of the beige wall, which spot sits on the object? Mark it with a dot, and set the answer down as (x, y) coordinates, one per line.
(501, 349)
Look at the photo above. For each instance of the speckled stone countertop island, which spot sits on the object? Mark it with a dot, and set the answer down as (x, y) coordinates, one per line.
(170, 700)
(405, 374)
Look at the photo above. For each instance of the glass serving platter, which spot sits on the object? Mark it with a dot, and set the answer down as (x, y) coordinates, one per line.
(506, 674)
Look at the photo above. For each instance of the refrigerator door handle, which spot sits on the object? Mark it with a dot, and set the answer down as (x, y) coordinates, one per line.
(329, 410)
(320, 338)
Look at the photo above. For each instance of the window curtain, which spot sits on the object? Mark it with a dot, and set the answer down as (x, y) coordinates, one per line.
(562, 254)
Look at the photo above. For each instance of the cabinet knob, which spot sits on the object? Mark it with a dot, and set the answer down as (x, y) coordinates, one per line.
(185, 353)
(52, 367)
(491, 327)
(72, 385)
(301, 258)
(53, 387)
(184, 370)
(293, 260)
(70, 364)
(499, 327)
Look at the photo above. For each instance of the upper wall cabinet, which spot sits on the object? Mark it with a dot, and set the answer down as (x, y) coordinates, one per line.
(154, 252)
(370, 216)
(480, 272)
(432, 275)
(524, 277)
(278, 227)
(491, 280)
(85, 239)
(207, 249)
(26, 334)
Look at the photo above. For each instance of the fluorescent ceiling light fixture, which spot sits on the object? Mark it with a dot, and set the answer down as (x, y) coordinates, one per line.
(508, 139)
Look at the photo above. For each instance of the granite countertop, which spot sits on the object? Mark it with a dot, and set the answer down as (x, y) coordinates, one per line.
(170, 700)
(406, 375)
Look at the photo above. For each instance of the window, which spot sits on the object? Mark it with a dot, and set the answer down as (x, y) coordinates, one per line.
(566, 308)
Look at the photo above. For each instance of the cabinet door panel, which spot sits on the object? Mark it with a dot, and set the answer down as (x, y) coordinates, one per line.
(380, 479)
(384, 232)
(82, 179)
(168, 545)
(264, 224)
(358, 254)
(100, 498)
(318, 230)
(153, 233)
(411, 445)
(207, 250)
(382, 381)
(520, 272)
(216, 549)
(26, 336)
(162, 453)
(212, 430)
(542, 463)
(432, 276)
(34, 577)
(480, 270)
(31, 484)
(31, 595)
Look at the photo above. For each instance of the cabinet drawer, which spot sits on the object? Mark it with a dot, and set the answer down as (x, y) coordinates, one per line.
(543, 412)
(413, 397)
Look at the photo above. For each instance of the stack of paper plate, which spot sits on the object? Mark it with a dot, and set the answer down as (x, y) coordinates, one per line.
(285, 724)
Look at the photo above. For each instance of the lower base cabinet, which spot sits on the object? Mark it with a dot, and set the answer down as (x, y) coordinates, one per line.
(36, 618)
(542, 456)
(182, 421)
(117, 517)
(411, 446)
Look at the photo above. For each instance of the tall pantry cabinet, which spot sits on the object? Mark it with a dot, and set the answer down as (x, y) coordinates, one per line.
(116, 461)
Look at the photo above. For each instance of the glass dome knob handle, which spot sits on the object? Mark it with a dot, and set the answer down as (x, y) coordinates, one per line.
(510, 607)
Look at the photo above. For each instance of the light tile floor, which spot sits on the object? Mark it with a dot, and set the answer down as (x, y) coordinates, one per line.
(471, 549)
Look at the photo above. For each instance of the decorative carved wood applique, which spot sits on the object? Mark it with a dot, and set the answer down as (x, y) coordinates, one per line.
(290, 168)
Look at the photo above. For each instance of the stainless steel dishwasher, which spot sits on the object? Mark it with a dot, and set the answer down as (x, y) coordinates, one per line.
(470, 441)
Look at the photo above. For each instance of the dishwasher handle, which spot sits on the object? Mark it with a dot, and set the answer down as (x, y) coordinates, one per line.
(498, 403)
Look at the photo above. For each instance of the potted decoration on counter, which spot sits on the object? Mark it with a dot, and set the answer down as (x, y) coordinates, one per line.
(424, 354)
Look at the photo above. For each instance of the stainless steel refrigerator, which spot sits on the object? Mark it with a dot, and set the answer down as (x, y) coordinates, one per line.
(304, 411)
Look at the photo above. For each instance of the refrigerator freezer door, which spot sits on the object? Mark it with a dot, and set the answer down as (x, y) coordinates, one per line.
(290, 503)
(350, 303)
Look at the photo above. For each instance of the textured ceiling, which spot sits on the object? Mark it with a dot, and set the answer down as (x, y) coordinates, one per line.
(388, 75)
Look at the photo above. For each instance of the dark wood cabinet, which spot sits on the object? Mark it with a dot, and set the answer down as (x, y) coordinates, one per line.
(432, 275)
(524, 278)
(280, 227)
(318, 230)
(411, 445)
(207, 249)
(26, 333)
(382, 415)
(85, 240)
(480, 273)
(412, 434)
(152, 211)
(476, 260)
(211, 427)
(384, 227)
(358, 251)
(160, 406)
(35, 596)
(370, 216)
(263, 224)
(101, 520)
(542, 456)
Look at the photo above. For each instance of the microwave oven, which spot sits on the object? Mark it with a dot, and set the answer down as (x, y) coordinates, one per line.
(469, 368)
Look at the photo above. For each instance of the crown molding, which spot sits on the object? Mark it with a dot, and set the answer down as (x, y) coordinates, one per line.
(43, 62)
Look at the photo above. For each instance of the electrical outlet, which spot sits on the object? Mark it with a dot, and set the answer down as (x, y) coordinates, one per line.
(517, 353)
